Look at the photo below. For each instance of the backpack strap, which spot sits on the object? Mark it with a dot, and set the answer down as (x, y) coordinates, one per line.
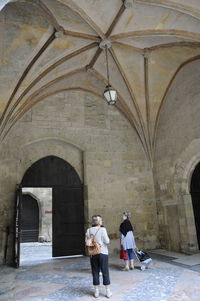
(95, 233)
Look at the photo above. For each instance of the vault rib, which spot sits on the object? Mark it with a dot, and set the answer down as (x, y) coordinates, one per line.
(115, 21)
(81, 35)
(118, 65)
(122, 101)
(160, 32)
(175, 44)
(184, 9)
(147, 100)
(39, 77)
(25, 72)
(166, 45)
(50, 15)
(94, 59)
(107, 35)
(29, 103)
(82, 14)
(140, 50)
(120, 109)
(34, 98)
(28, 106)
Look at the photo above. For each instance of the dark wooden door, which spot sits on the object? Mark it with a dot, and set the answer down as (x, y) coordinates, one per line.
(67, 202)
(196, 209)
(195, 194)
(68, 221)
(29, 219)
(17, 229)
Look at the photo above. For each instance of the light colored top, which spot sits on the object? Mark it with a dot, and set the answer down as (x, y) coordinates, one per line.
(101, 237)
(128, 241)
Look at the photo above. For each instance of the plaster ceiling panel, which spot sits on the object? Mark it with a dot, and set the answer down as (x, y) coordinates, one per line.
(133, 66)
(161, 71)
(116, 80)
(25, 13)
(58, 48)
(101, 12)
(153, 41)
(19, 41)
(67, 18)
(143, 17)
(191, 3)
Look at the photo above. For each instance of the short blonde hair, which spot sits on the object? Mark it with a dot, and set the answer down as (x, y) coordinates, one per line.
(96, 219)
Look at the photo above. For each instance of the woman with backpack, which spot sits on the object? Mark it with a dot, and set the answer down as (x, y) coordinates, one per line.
(99, 262)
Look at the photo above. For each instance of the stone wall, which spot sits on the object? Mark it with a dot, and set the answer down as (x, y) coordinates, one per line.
(81, 128)
(177, 154)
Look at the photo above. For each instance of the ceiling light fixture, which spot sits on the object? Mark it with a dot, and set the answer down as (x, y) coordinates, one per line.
(110, 94)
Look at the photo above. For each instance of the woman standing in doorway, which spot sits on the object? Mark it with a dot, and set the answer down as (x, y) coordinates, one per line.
(127, 240)
(99, 262)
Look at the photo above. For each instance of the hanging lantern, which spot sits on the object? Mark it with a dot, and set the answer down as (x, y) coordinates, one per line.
(110, 94)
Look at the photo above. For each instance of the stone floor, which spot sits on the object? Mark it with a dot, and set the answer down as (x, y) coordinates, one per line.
(42, 278)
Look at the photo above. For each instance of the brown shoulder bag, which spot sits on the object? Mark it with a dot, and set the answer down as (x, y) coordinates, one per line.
(93, 248)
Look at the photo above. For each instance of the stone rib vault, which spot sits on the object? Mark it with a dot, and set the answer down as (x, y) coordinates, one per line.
(151, 42)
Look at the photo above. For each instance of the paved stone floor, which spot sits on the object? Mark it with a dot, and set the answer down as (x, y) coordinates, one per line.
(47, 279)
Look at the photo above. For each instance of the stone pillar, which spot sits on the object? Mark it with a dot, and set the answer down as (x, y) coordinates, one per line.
(191, 244)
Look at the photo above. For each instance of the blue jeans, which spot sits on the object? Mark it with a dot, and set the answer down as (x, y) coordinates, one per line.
(130, 254)
(100, 263)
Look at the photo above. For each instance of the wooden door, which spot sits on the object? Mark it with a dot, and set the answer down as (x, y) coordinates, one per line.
(17, 229)
(68, 221)
(196, 208)
(195, 194)
(67, 203)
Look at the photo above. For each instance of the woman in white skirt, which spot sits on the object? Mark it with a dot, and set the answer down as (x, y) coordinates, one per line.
(127, 240)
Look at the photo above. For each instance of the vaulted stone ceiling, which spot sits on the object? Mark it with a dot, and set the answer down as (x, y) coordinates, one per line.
(48, 46)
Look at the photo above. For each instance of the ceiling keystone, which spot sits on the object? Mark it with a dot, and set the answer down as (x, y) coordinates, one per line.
(105, 44)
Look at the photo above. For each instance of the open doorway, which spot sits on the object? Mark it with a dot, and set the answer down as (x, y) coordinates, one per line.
(51, 208)
(36, 224)
(195, 194)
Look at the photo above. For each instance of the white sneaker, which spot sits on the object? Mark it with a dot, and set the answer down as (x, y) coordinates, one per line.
(125, 269)
(108, 293)
(96, 293)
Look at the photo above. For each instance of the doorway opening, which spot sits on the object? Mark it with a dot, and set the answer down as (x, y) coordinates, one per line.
(36, 224)
(50, 209)
(195, 194)
(30, 219)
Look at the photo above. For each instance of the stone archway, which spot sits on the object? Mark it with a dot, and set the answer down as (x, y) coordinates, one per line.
(195, 194)
(67, 202)
(184, 169)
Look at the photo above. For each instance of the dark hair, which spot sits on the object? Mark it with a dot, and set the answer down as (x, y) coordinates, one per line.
(127, 214)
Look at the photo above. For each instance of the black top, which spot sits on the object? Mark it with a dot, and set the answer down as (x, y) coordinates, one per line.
(125, 227)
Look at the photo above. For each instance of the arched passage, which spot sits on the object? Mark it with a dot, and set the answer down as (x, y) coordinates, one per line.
(195, 193)
(30, 219)
(67, 202)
